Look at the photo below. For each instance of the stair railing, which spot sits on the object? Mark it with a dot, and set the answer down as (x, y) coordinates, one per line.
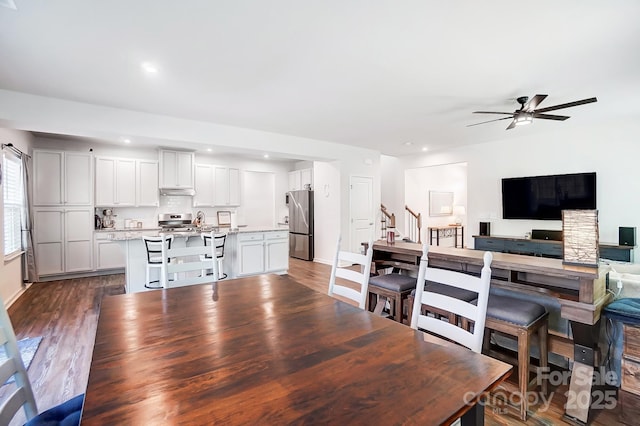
(414, 224)
(388, 220)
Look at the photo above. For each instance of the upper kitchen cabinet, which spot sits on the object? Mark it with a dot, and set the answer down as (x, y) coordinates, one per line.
(62, 178)
(300, 179)
(147, 183)
(205, 177)
(114, 178)
(176, 169)
(226, 187)
(126, 182)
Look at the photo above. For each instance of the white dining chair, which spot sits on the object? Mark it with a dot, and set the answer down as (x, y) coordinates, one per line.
(185, 264)
(21, 396)
(474, 312)
(343, 263)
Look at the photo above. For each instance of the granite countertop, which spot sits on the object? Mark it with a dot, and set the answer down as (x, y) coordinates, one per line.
(136, 233)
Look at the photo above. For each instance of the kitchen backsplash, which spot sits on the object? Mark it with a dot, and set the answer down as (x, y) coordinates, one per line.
(168, 204)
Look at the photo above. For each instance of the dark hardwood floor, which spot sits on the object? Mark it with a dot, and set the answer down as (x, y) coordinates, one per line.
(65, 313)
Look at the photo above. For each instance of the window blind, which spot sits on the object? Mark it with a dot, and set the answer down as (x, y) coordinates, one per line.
(12, 196)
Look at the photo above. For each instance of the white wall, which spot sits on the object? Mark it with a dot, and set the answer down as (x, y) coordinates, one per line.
(11, 272)
(610, 149)
(327, 207)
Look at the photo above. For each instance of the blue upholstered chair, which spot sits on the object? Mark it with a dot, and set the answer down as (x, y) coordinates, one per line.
(66, 414)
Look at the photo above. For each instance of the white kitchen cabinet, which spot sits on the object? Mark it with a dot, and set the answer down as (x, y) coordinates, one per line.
(62, 178)
(299, 179)
(147, 183)
(261, 252)
(276, 251)
(176, 169)
(108, 254)
(63, 240)
(115, 179)
(226, 186)
(125, 182)
(204, 185)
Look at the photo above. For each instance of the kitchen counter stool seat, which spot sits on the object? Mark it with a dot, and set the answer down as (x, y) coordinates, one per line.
(395, 287)
(153, 246)
(520, 319)
(218, 242)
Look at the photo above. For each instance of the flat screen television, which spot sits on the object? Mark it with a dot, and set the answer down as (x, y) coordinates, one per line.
(544, 197)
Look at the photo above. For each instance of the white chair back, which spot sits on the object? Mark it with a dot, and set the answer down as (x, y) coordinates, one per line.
(22, 395)
(348, 273)
(187, 263)
(474, 312)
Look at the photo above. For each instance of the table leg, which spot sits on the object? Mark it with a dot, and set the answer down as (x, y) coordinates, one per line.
(581, 388)
(475, 415)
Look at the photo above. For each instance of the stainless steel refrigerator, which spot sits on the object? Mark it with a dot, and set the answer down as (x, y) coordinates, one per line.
(301, 224)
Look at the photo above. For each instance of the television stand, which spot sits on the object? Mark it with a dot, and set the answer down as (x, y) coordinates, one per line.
(545, 248)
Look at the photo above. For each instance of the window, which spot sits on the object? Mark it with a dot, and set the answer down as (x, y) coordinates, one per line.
(13, 194)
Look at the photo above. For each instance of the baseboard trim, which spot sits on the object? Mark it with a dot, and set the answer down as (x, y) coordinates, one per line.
(47, 278)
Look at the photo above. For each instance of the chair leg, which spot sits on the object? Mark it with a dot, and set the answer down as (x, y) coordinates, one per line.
(523, 371)
(397, 301)
(544, 355)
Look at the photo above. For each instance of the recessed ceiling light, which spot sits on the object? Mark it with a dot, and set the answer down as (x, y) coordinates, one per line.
(149, 68)
(9, 4)
(408, 143)
(209, 149)
(266, 156)
(425, 149)
(126, 140)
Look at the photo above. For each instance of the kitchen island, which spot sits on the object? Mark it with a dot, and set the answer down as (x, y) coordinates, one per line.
(248, 251)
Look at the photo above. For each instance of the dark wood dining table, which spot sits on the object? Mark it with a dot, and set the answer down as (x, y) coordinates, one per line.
(268, 350)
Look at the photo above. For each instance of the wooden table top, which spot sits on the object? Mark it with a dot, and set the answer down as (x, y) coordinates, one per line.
(515, 262)
(268, 350)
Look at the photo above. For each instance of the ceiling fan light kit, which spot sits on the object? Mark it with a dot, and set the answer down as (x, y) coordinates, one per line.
(528, 111)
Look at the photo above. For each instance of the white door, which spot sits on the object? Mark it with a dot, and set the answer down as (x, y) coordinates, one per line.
(203, 185)
(78, 178)
(361, 211)
(185, 169)
(147, 188)
(221, 186)
(49, 235)
(105, 182)
(48, 179)
(78, 240)
(125, 182)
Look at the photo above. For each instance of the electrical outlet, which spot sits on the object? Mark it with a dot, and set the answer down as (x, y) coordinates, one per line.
(619, 284)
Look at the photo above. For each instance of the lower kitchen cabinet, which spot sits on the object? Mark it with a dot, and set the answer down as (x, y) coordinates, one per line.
(108, 254)
(262, 252)
(63, 240)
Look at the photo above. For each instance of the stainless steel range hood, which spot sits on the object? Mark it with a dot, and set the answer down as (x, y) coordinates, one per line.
(189, 192)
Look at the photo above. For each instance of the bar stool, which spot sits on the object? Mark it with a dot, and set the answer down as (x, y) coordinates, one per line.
(395, 287)
(153, 246)
(521, 319)
(218, 241)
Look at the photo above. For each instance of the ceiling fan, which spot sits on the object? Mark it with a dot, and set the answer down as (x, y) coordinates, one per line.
(528, 111)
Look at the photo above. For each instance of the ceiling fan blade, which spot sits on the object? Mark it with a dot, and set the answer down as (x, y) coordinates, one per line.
(533, 103)
(512, 125)
(490, 121)
(550, 116)
(492, 112)
(567, 105)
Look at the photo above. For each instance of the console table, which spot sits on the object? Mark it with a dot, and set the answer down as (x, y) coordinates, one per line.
(545, 248)
(449, 231)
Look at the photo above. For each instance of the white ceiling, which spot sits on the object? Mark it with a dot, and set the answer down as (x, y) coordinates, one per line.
(374, 74)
